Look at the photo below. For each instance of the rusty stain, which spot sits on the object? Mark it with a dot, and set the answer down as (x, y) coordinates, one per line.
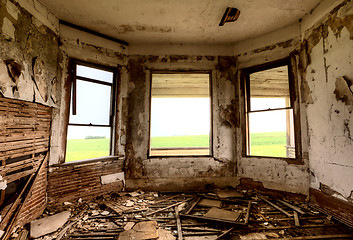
(210, 58)
(347, 130)
(229, 116)
(326, 189)
(285, 44)
(267, 48)
(225, 62)
(125, 28)
(14, 69)
(40, 77)
(343, 91)
(176, 58)
(306, 92)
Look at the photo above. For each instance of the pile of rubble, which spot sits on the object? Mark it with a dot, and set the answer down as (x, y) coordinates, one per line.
(223, 214)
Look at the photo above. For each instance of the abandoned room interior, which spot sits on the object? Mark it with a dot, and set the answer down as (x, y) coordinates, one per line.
(197, 119)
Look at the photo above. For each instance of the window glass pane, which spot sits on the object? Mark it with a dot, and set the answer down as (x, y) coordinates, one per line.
(272, 134)
(87, 142)
(272, 83)
(180, 114)
(94, 73)
(92, 103)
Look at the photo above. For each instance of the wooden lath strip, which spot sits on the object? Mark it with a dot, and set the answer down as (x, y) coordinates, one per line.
(19, 165)
(21, 143)
(24, 153)
(14, 137)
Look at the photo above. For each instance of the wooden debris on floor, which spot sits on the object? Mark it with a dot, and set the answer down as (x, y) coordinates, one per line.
(224, 214)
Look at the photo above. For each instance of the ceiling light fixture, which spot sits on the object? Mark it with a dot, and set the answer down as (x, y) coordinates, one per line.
(230, 15)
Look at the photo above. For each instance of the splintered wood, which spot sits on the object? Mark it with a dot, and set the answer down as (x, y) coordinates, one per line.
(171, 216)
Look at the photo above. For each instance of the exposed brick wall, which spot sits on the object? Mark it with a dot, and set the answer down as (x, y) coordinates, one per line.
(69, 182)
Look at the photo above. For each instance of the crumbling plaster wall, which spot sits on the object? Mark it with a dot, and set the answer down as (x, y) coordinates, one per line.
(29, 52)
(181, 173)
(29, 71)
(273, 173)
(327, 56)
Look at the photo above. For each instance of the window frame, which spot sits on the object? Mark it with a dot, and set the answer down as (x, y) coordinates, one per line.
(72, 66)
(209, 72)
(294, 106)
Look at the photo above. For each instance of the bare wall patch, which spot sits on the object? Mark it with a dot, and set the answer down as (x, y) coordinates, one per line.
(344, 90)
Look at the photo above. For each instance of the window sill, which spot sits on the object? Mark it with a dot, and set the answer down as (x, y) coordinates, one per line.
(296, 161)
(87, 161)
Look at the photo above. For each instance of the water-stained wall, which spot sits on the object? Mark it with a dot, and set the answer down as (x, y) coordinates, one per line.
(327, 74)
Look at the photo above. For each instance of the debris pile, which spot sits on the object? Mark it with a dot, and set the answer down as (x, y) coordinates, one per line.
(223, 214)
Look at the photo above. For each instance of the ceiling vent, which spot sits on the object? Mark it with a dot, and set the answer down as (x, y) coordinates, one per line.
(230, 15)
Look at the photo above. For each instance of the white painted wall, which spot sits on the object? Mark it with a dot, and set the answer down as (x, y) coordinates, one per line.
(330, 121)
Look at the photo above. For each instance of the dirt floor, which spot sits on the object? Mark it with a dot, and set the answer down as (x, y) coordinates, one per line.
(222, 214)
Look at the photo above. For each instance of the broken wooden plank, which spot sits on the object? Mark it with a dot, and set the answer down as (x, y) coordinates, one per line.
(218, 213)
(296, 219)
(247, 216)
(332, 236)
(209, 203)
(275, 206)
(211, 219)
(231, 193)
(18, 204)
(292, 206)
(179, 229)
(168, 207)
(192, 205)
(225, 233)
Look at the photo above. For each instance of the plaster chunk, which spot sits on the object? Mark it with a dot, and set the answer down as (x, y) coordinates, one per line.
(8, 29)
(12, 10)
(48, 225)
(111, 178)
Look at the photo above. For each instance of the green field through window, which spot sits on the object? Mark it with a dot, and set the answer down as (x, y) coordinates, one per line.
(262, 144)
(79, 149)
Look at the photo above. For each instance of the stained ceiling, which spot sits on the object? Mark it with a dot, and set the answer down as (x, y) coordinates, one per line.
(179, 21)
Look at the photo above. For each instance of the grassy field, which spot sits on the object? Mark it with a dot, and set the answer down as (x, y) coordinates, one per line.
(180, 141)
(268, 144)
(79, 149)
(262, 144)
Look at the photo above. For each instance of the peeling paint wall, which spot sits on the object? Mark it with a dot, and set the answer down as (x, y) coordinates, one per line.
(29, 72)
(271, 172)
(29, 53)
(181, 173)
(328, 76)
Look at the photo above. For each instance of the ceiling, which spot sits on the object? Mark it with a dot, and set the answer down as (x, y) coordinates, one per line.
(179, 21)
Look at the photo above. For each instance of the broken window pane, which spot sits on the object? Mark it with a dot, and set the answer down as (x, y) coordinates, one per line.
(270, 124)
(180, 115)
(94, 73)
(87, 142)
(92, 103)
